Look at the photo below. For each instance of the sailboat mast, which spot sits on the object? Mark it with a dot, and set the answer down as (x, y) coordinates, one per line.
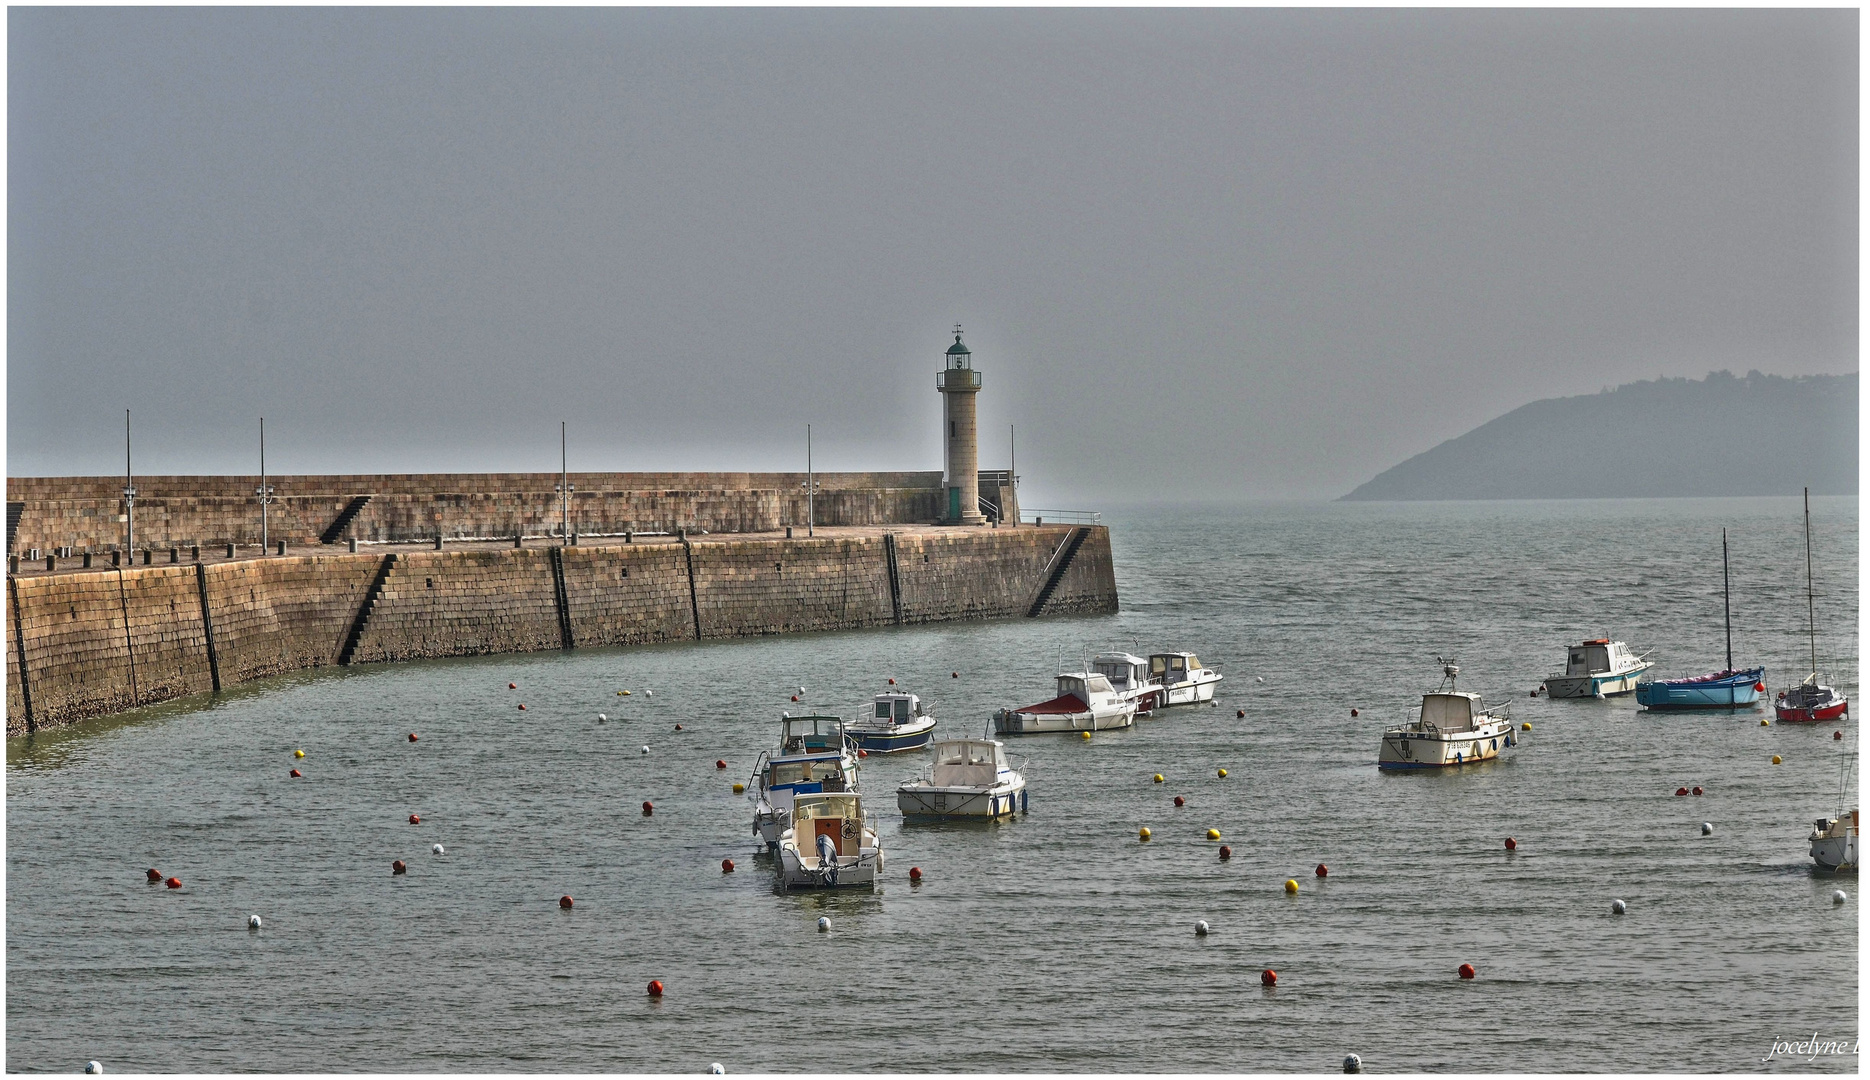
(1811, 611)
(1727, 605)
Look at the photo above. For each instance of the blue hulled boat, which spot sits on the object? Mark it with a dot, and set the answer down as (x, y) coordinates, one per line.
(1720, 690)
(894, 722)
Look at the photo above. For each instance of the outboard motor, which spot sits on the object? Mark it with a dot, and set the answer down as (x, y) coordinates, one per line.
(827, 860)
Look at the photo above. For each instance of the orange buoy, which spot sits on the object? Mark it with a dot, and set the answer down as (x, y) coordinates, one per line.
(1759, 688)
(1353, 712)
(1322, 870)
(1269, 977)
(154, 874)
(655, 985)
(564, 901)
(398, 867)
(863, 753)
(648, 808)
(678, 727)
(412, 736)
(522, 708)
(1240, 714)
(1697, 791)
(174, 883)
(720, 764)
(1466, 971)
(1226, 852)
(795, 697)
(1512, 844)
(1681, 791)
(1178, 800)
(892, 682)
(915, 873)
(296, 774)
(415, 819)
(727, 866)
(954, 675)
(512, 686)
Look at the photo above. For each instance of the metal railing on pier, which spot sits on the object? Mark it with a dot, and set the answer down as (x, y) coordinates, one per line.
(1059, 517)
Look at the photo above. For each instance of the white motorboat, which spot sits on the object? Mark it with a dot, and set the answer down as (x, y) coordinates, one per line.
(894, 722)
(1129, 677)
(813, 756)
(1182, 678)
(968, 780)
(1086, 702)
(830, 844)
(1451, 728)
(1597, 668)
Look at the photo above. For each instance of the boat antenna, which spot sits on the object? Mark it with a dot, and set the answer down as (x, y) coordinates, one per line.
(1727, 608)
(1811, 611)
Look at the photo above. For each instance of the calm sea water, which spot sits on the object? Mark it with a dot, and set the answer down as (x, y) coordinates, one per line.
(1054, 942)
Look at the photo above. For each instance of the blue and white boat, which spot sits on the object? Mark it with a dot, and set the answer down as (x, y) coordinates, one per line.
(894, 722)
(1728, 688)
(814, 756)
(1718, 690)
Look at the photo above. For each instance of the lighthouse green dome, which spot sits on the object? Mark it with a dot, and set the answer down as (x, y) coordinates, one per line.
(958, 349)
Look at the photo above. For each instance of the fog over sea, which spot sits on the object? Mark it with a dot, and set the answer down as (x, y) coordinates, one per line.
(1055, 942)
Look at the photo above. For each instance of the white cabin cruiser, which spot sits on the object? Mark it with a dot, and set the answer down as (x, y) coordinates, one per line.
(1597, 668)
(830, 844)
(1182, 678)
(1086, 702)
(969, 780)
(1450, 728)
(894, 722)
(813, 756)
(1129, 676)
(1834, 843)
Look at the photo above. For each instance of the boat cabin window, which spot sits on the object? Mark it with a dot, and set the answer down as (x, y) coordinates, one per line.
(1072, 686)
(902, 709)
(1116, 671)
(1170, 668)
(1586, 659)
(883, 710)
(788, 774)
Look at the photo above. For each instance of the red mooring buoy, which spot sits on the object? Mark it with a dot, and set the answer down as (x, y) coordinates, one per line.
(678, 727)
(1511, 844)
(1681, 791)
(398, 867)
(1466, 971)
(522, 708)
(795, 697)
(1759, 688)
(1268, 977)
(512, 686)
(648, 808)
(564, 901)
(174, 883)
(412, 736)
(1322, 870)
(954, 675)
(415, 819)
(1179, 800)
(863, 753)
(1226, 852)
(1240, 714)
(296, 774)
(727, 866)
(1697, 791)
(719, 764)
(154, 874)
(1837, 735)
(655, 985)
(915, 873)
(1353, 712)
(892, 682)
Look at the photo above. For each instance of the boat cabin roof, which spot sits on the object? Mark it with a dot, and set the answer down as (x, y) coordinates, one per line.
(1166, 661)
(1093, 681)
(1118, 658)
(970, 752)
(802, 734)
(895, 706)
(1450, 711)
(841, 804)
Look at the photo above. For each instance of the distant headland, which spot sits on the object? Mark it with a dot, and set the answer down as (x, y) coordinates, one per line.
(1723, 435)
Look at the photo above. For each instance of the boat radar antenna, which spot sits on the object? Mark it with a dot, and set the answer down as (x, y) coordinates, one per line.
(1448, 669)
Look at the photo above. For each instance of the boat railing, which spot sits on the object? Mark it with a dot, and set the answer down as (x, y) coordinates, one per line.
(1060, 517)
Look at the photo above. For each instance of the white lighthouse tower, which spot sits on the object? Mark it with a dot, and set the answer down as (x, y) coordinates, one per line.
(958, 383)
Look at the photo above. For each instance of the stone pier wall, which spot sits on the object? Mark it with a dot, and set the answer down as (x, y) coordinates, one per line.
(86, 644)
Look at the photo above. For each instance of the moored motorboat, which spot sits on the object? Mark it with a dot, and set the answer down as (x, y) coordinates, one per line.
(1597, 668)
(1813, 700)
(894, 721)
(968, 780)
(1129, 677)
(1184, 681)
(1728, 688)
(813, 756)
(1834, 843)
(1086, 702)
(1450, 728)
(829, 844)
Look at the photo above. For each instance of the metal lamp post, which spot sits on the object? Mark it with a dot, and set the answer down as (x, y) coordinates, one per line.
(129, 493)
(563, 488)
(266, 491)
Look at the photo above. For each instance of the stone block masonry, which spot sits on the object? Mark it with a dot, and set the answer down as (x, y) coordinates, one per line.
(88, 644)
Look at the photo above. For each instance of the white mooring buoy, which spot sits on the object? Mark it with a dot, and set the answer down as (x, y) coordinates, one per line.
(437, 849)
(1353, 1063)
(253, 922)
(824, 924)
(601, 718)
(717, 1069)
(1616, 907)
(1707, 829)
(645, 749)
(92, 1068)
(1201, 929)
(1839, 897)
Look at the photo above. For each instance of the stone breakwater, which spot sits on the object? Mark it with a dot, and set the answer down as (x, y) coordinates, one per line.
(84, 644)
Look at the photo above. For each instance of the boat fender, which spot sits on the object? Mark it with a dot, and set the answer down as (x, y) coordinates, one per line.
(1617, 907)
(1022, 800)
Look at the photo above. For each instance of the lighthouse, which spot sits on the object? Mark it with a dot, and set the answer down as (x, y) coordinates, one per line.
(958, 383)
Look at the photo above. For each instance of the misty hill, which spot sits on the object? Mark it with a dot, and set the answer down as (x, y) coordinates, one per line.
(1758, 435)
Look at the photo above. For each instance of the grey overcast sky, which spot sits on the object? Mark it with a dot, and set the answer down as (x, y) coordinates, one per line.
(1199, 254)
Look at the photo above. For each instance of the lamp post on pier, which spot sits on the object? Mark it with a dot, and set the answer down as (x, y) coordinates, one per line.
(266, 490)
(811, 486)
(563, 487)
(129, 493)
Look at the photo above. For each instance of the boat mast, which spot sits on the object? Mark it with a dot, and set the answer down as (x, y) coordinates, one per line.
(1727, 608)
(1811, 616)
